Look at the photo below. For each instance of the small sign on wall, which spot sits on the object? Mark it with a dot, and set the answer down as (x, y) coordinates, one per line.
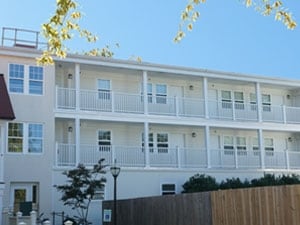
(107, 215)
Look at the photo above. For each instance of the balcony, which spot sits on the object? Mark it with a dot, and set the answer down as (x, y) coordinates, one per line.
(172, 106)
(135, 157)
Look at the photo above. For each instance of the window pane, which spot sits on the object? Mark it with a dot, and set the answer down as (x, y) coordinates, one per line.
(161, 89)
(36, 73)
(16, 71)
(228, 140)
(15, 137)
(252, 98)
(104, 84)
(239, 96)
(226, 95)
(16, 78)
(35, 87)
(266, 98)
(35, 138)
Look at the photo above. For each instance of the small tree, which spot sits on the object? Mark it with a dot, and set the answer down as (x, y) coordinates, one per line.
(81, 187)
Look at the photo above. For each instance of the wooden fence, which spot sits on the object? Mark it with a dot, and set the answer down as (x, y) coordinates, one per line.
(278, 205)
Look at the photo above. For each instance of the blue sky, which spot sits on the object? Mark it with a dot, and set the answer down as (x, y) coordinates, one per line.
(227, 37)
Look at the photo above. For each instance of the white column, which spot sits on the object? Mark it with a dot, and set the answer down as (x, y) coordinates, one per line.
(77, 86)
(262, 148)
(145, 92)
(205, 96)
(77, 139)
(146, 144)
(207, 145)
(258, 101)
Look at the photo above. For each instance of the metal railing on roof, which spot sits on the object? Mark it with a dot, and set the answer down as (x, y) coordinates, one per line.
(15, 37)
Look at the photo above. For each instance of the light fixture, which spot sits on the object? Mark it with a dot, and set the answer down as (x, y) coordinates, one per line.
(191, 87)
(194, 134)
(70, 76)
(290, 139)
(70, 129)
(115, 170)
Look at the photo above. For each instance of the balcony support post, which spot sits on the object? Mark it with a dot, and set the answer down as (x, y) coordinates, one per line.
(262, 149)
(77, 87)
(205, 96)
(145, 92)
(207, 146)
(77, 140)
(258, 101)
(146, 144)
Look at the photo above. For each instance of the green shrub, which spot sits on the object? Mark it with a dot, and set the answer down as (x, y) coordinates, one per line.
(200, 183)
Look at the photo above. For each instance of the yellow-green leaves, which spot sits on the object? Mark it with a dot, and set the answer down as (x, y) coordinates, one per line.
(188, 17)
(266, 7)
(61, 27)
(271, 7)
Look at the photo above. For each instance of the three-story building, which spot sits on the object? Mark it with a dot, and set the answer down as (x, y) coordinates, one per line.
(161, 124)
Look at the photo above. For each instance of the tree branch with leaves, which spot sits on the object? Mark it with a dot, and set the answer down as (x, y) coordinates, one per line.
(81, 187)
(276, 8)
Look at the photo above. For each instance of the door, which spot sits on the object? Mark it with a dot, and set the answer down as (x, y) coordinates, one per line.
(24, 197)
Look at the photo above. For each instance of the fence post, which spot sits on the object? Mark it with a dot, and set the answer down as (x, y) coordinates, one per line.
(19, 215)
(33, 217)
(68, 222)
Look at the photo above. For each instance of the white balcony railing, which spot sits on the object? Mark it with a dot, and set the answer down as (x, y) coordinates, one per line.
(135, 156)
(173, 106)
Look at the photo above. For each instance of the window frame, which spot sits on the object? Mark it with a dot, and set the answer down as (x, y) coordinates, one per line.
(162, 146)
(226, 100)
(31, 75)
(104, 93)
(266, 105)
(239, 103)
(106, 144)
(168, 192)
(25, 144)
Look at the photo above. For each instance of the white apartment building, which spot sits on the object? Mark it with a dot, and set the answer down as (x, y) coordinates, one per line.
(162, 124)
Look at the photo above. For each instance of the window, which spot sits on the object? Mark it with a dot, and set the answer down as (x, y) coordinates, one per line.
(228, 145)
(16, 78)
(162, 143)
(226, 99)
(99, 193)
(15, 137)
(255, 146)
(18, 142)
(241, 145)
(26, 79)
(104, 140)
(35, 138)
(266, 102)
(35, 80)
(104, 89)
(253, 101)
(150, 141)
(168, 189)
(161, 93)
(149, 93)
(269, 146)
(239, 100)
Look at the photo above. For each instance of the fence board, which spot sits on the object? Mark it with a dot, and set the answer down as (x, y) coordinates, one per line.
(278, 205)
(257, 206)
